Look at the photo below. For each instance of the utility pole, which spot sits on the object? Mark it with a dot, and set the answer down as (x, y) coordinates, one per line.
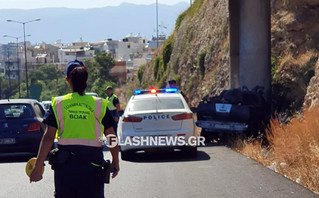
(25, 61)
(157, 23)
(25, 50)
(18, 63)
(8, 65)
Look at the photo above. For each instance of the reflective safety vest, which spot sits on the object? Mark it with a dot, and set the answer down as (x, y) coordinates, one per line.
(110, 99)
(79, 119)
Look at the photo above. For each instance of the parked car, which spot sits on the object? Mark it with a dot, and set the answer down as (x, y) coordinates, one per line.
(234, 111)
(156, 113)
(46, 105)
(21, 127)
(92, 94)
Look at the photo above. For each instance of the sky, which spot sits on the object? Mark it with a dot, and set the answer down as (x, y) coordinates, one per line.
(83, 4)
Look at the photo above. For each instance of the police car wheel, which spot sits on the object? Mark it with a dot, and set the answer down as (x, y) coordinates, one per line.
(190, 151)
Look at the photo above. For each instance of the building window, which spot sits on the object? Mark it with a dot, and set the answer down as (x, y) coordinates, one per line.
(128, 46)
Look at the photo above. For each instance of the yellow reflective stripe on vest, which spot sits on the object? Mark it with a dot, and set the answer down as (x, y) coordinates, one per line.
(99, 113)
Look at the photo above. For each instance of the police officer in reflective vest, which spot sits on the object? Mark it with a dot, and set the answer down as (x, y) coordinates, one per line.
(114, 105)
(80, 121)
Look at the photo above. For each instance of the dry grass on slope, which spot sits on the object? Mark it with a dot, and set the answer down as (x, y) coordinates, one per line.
(293, 149)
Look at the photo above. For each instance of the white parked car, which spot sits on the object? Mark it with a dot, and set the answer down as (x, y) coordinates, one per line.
(156, 119)
(92, 94)
(46, 105)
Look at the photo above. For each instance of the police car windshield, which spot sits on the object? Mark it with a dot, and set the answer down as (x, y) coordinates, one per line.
(156, 104)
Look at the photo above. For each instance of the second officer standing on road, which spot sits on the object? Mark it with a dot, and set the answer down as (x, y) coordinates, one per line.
(80, 121)
(114, 105)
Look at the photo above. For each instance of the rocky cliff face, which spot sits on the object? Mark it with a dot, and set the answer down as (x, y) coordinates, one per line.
(201, 51)
(312, 96)
(197, 53)
(295, 45)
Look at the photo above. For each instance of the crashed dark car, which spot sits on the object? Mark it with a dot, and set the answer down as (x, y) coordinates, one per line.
(234, 111)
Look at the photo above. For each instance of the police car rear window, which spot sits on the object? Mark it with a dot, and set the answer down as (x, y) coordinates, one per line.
(156, 104)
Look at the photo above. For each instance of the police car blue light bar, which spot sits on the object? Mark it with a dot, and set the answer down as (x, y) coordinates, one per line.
(171, 90)
(137, 91)
(155, 91)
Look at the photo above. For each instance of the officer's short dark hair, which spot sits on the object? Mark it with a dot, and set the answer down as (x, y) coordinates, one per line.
(172, 82)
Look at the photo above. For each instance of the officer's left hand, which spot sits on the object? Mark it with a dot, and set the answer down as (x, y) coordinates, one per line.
(36, 174)
(115, 166)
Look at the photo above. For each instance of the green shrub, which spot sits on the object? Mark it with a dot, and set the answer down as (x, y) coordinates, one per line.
(160, 70)
(175, 66)
(190, 82)
(140, 73)
(167, 51)
(201, 62)
(213, 76)
(189, 34)
(179, 20)
(177, 78)
(162, 81)
(191, 11)
(156, 66)
(195, 7)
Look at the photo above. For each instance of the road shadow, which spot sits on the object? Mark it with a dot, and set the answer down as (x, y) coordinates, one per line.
(15, 157)
(167, 156)
(212, 144)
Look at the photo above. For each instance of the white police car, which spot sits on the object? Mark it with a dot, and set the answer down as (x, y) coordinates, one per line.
(156, 119)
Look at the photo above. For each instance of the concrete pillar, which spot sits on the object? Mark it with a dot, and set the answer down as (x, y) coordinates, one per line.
(234, 42)
(254, 44)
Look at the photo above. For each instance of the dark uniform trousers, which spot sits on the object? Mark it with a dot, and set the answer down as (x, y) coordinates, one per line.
(77, 179)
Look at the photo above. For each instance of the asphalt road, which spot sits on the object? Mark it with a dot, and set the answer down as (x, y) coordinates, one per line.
(217, 171)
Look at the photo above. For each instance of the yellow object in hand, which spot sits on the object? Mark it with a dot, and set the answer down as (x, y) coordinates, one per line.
(30, 165)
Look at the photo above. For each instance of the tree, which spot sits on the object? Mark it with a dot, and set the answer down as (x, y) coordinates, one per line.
(105, 62)
(7, 90)
(99, 76)
(51, 79)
